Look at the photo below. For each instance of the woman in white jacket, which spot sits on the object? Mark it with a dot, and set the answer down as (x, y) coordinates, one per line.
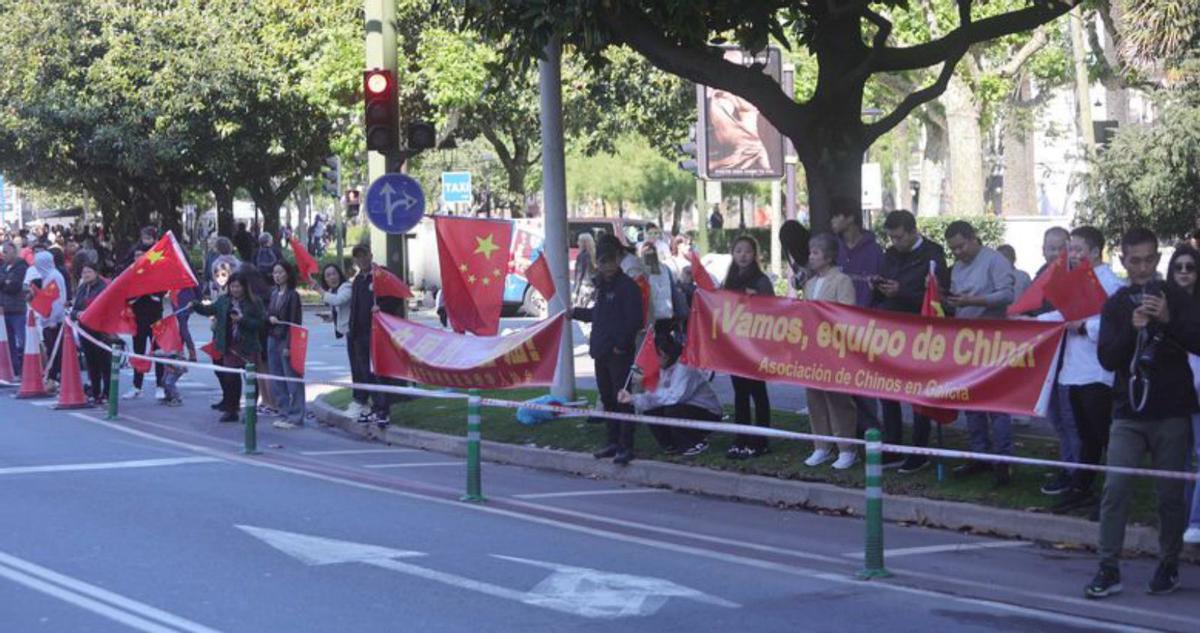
(335, 292)
(42, 274)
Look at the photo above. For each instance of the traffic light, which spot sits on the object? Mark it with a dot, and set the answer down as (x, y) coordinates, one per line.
(691, 162)
(353, 202)
(331, 176)
(380, 103)
(420, 135)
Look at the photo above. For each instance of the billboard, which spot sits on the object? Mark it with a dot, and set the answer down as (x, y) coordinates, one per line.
(738, 142)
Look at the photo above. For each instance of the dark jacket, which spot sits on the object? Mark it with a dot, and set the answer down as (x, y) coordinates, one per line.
(12, 294)
(147, 309)
(362, 300)
(1172, 388)
(85, 294)
(910, 270)
(756, 281)
(285, 308)
(252, 322)
(616, 317)
(244, 243)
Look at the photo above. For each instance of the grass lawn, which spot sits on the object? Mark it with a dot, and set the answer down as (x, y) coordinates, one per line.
(785, 461)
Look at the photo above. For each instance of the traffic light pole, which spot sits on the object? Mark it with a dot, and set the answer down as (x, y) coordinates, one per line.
(555, 187)
(381, 53)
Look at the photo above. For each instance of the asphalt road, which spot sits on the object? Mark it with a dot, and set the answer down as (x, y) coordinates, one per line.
(156, 522)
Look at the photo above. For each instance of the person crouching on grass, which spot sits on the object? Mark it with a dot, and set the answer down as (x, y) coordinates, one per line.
(683, 392)
(616, 318)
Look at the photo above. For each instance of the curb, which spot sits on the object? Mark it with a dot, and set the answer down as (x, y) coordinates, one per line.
(951, 515)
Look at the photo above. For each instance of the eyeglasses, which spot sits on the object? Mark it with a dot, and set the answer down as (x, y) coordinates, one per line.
(1184, 267)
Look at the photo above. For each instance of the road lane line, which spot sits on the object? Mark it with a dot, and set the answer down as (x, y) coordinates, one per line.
(737, 559)
(137, 463)
(938, 549)
(414, 465)
(95, 599)
(590, 493)
(363, 451)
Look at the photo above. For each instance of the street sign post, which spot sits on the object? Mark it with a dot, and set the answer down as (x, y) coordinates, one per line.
(456, 187)
(395, 203)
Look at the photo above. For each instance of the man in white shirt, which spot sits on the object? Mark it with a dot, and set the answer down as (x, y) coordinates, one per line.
(1089, 386)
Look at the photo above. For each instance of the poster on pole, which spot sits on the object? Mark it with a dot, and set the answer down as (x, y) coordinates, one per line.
(738, 141)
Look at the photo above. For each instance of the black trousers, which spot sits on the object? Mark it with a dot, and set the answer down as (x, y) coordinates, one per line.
(893, 425)
(745, 391)
(674, 437)
(1092, 406)
(359, 350)
(99, 368)
(231, 390)
(612, 374)
(54, 361)
(141, 341)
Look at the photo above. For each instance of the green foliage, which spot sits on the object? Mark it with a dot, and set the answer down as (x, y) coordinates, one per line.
(1150, 176)
(989, 227)
(634, 174)
(721, 241)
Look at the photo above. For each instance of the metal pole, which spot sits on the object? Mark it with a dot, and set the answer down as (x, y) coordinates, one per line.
(114, 380)
(873, 554)
(250, 444)
(555, 191)
(789, 150)
(474, 476)
(702, 223)
(776, 223)
(389, 250)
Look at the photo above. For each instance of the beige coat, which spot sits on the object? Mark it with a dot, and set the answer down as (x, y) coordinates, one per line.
(835, 287)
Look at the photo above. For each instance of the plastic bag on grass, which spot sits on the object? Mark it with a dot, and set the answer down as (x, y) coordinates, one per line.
(534, 417)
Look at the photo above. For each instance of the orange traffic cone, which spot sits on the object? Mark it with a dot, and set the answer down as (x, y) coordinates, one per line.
(6, 367)
(32, 384)
(70, 390)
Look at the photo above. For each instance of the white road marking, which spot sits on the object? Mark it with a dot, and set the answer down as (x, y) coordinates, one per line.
(116, 607)
(590, 493)
(840, 579)
(363, 451)
(414, 465)
(43, 403)
(938, 549)
(137, 463)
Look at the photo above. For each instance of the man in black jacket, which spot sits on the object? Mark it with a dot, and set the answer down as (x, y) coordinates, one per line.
(900, 287)
(616, 319)
(12, 301)
(1147, 330)
(363, 303)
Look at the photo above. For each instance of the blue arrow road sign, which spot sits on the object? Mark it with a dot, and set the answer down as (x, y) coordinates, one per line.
(456, 187)
(395, 203)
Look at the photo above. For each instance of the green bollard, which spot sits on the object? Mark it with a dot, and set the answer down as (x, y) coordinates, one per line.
(474, 478)
(250, 445)
(114, 380)
(873, 555)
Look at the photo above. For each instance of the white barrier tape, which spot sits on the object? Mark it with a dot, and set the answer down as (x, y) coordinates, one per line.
(720, 427)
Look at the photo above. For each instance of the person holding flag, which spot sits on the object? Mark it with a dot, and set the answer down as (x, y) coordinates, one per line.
(238, 318)
(900, 287)
(681, 392)
(96, 358)
(365, 299)
(283, 314)
(47, 295)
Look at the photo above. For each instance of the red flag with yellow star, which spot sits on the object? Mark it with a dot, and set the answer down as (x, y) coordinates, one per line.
(163, 268)
(474, 255)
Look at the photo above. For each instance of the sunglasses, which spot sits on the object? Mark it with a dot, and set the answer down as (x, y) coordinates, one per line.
(1184, 267)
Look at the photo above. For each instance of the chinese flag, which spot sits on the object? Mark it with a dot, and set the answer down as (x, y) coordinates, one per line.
(140, 365)
(643, 285)
(932, 307)
(166, 334)
(538, 274)
(1035, 295)
(297, 348)
(306, 266)
(388, 285)
(210, 348)
(704, 281)
(1076, 293)
(474, 256)
(647, 361)
(43, 299)
(163, 268)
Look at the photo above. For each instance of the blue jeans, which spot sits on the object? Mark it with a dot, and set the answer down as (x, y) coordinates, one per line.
(289, 396)
(1062, 418)
(171, 376)
(990, 432)
(1194, 490)
(14, 326)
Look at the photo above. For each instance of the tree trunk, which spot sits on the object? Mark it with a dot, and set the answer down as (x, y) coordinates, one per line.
(1020, 181)
(966, 181)
(677, 217)
(933, 171)
(901, 153)
(224, 198)
(839, 175)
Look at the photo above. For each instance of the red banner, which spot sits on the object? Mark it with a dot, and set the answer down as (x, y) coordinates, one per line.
(403, 349)
(963, 364)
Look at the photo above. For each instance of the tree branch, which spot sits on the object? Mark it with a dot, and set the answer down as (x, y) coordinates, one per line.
(913, 101)
(1035, 44)
(948, 46)
(878, 43)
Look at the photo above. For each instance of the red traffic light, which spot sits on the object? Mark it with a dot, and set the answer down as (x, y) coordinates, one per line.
(380, 105)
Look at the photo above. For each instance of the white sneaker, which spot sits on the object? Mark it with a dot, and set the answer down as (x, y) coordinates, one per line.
(354, 409)
(845, 460)
(283, 424)
(818, 457)
(1192, 535)
(131, 394)
(159, 393)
